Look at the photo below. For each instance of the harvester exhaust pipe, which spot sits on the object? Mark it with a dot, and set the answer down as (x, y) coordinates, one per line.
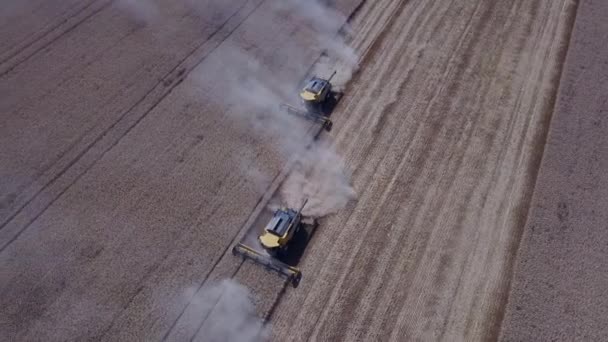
(332, 76)
(303, 205)
(299, 213)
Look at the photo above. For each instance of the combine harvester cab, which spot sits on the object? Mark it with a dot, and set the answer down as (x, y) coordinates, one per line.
(316, 92)
(274, 242)
(314, 97)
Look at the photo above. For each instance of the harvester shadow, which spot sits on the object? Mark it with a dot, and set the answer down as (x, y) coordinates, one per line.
(298, 245)
(326, 109)
(331, 103)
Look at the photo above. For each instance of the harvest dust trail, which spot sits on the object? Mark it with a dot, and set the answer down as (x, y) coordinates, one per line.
(441, 129)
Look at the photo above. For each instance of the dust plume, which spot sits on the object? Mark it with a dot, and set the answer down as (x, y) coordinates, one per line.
(255, 93)
(331, 28)
(319, 176)
(319, 173)
(143, 11)
(228, 314)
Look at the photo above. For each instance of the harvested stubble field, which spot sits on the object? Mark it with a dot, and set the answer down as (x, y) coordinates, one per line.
(560, 283)
(127, 170)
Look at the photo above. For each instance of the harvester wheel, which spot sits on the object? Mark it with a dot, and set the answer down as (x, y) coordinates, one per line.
(295, 280)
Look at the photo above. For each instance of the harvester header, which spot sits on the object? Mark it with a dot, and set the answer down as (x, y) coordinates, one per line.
(273, 244)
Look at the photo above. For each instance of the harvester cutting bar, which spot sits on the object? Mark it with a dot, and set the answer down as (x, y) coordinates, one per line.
(292, 274)
(316, 117)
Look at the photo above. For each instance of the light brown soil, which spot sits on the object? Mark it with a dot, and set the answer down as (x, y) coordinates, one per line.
(561, 277)
(126, 178)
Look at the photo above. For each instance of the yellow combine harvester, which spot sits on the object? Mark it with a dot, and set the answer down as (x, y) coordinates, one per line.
(275, 241)
(316, 93)
(315, 96)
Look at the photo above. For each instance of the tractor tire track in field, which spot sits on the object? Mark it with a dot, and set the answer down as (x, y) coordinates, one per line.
(125, 123)
(20, 54)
